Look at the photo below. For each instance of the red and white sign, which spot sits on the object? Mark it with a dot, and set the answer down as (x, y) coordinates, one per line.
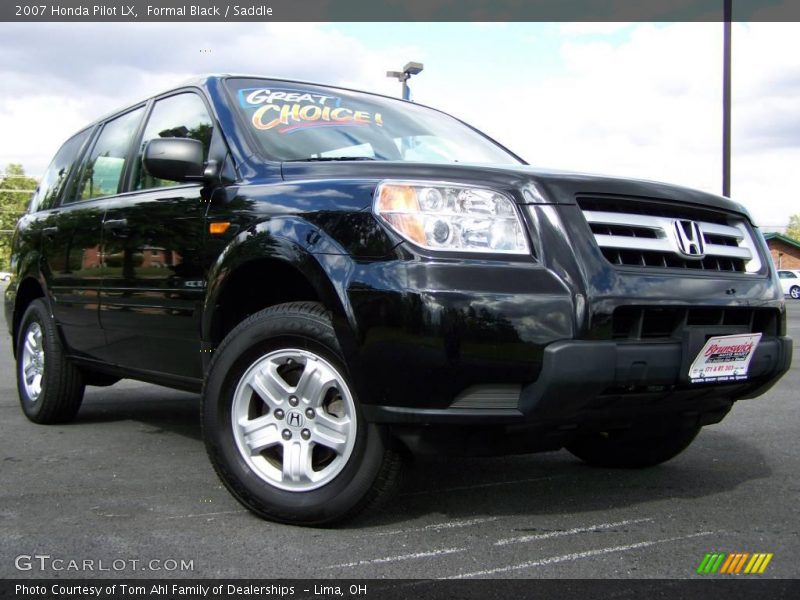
(724, 358)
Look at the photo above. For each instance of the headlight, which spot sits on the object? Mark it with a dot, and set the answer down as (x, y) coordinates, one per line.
(451, 218)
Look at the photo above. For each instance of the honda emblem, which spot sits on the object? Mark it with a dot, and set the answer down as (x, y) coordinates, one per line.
(690, 238)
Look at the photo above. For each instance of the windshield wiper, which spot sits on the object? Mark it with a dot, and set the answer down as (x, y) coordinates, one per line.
(331, 158)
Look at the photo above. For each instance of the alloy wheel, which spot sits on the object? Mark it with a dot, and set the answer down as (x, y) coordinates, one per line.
(294, 420)
(32, 363)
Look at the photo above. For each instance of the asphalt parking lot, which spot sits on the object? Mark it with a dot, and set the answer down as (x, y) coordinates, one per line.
(130, 481)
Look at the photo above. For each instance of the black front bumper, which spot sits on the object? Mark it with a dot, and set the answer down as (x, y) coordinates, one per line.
(611, 384)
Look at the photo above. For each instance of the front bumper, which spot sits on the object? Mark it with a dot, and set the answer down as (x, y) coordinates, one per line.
(606, 384)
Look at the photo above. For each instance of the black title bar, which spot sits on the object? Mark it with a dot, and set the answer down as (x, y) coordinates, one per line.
(407, 10)
(716, 588)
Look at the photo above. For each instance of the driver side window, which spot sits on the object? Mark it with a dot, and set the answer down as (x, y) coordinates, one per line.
(184, 116)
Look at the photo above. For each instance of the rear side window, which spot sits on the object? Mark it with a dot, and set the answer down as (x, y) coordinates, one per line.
(183, 116)
(102, 170)
(55, 177)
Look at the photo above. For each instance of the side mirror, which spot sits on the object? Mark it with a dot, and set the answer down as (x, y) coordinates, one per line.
(174, 159)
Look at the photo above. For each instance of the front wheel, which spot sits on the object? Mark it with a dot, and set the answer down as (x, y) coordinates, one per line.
(632, 449)
(283, 426)
(794, 292)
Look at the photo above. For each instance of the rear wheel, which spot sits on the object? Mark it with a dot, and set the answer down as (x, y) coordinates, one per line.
(794, 292)
(632, 449)
(50, 387)
(283, 426)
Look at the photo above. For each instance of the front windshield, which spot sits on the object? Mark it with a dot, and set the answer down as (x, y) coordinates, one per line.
(293, 121)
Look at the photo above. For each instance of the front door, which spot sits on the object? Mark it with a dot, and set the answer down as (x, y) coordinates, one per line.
(154, 270)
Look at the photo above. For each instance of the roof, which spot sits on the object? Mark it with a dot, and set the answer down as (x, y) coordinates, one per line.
(779, 237)
(201, 79)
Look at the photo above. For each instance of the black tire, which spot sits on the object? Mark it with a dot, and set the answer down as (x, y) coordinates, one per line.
(794, 292)
(61, 385)
(632, 449)
(365, 477)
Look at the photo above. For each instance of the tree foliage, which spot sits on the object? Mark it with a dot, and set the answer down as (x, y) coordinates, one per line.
(15, 192)
(793, 230)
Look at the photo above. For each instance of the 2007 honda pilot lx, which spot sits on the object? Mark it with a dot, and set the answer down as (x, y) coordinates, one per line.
(349, 277)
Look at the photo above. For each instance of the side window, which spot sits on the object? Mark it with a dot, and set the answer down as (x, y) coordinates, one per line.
(185, 116)
(102, 169)
(57, 173)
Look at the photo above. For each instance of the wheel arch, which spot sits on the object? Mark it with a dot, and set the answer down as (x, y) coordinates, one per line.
(244, 279)
(28, 290)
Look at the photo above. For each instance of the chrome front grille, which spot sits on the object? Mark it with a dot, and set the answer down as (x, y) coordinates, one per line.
(652, 234)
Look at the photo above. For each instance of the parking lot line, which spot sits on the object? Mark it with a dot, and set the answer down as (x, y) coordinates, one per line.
(210, 514)
(439, 526)
(551, 534)
(575, 556)
(389, 559)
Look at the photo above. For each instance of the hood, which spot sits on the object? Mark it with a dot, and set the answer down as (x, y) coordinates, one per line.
(554, 187)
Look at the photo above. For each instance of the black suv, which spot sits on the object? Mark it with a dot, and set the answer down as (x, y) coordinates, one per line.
(349, 277)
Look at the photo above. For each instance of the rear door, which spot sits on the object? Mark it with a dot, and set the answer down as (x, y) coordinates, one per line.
(154, 269)
(71, 232)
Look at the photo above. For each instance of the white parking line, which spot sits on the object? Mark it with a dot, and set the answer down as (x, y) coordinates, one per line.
(401, 557)
(482, 485)
(440, 526)
(575, 556)
(552, 534)
(210, 514)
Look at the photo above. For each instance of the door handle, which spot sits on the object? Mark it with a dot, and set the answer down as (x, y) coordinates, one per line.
(115, 224)
(50, 231)
(116, 227)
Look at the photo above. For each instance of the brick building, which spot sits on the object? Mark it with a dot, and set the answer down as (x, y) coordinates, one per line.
(785, 250)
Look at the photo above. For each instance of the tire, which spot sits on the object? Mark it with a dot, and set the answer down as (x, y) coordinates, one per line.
(305, 408)
(632, 449)
(50, 387)
(794, 292)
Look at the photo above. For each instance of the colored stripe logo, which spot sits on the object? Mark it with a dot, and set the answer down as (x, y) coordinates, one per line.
(734, 563)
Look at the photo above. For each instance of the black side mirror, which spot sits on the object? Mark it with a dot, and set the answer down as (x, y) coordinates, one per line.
(174, 159)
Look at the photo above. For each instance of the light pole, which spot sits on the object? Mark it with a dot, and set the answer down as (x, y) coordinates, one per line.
(726, 100)
(403, 76)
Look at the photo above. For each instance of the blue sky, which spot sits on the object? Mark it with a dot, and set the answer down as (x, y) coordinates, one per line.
(478, 53)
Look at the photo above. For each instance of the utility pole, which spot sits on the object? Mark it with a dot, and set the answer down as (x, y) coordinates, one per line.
(726, 100)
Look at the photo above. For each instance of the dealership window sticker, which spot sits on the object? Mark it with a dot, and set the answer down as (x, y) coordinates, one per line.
(286, 109)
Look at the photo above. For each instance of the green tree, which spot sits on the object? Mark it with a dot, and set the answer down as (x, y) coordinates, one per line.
(793, 230)
(15, 193)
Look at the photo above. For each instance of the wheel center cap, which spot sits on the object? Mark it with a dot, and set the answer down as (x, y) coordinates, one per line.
(294, 419)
